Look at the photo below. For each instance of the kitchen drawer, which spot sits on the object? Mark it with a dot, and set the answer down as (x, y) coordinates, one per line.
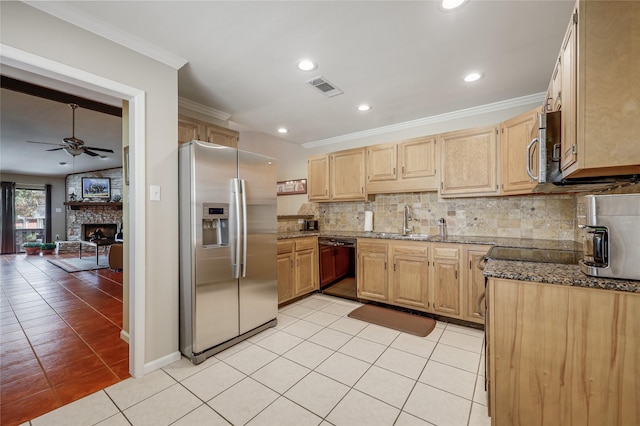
(446, 252)
(416, 249)
(306, 243)
(285, 246)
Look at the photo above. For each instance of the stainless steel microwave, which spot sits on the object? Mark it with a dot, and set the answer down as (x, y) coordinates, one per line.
(546, 148)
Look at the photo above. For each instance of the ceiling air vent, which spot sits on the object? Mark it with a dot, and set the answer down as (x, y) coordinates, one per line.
(327, 88)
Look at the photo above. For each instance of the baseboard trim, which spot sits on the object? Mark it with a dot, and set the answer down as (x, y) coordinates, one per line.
(161, 362)
(124, 336)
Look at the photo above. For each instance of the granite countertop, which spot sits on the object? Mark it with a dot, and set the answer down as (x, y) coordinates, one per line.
(545, 272)
(554, 273)
(457, 239)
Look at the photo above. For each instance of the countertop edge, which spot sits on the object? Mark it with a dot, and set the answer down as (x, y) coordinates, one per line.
(554, 273)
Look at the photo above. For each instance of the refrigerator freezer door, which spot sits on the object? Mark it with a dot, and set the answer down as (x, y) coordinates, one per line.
(259, 281)
(215, 301)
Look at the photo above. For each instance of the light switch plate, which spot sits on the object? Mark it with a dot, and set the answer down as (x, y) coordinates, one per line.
(154, 192)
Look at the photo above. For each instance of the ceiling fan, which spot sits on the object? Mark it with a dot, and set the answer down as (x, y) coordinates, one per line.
(72, 145)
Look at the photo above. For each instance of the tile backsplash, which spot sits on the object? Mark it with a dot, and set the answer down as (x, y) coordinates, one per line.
(531, 216)
(541, 217)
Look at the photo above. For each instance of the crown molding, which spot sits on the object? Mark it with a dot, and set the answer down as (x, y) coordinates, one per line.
(448, 116)
(70, 14)
(203, 109)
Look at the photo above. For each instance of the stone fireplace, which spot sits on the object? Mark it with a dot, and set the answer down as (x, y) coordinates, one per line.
(99, 231)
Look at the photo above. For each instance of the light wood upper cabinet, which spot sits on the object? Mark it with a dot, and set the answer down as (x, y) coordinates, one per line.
(554, 92)
(515, 135)
(297, 267)
(469, 162)
(347, 173)
(473, 283)
(402, 167)
(409, 274)
(372, 276)
(339, 176)
(562, 355)
(192, 129)
(382, 162)
(568, 109)
(318, 173)
(600, 90)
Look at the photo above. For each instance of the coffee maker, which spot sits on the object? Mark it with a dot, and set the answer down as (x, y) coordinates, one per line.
(612, 225)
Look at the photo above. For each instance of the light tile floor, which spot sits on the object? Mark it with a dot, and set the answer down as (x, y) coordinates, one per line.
(317, 367)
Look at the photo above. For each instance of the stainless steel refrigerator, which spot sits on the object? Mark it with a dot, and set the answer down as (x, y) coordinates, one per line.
(228, 254)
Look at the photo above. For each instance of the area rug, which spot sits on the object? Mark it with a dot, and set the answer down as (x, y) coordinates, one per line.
(398, 320)
(74, 264)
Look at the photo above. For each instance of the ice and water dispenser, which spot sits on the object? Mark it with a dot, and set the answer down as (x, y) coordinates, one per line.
(215, 225)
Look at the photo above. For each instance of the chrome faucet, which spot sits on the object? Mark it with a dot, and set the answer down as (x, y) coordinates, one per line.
(406, 218)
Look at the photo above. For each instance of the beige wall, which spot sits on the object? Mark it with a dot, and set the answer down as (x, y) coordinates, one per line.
(30, 30)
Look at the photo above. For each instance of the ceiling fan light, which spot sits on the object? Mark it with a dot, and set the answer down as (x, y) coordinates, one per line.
(73, 151)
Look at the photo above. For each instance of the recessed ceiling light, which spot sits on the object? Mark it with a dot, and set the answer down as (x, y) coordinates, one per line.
(452, 4)
(307, 65)
(364, 107)
(283, 130)
(474, 76)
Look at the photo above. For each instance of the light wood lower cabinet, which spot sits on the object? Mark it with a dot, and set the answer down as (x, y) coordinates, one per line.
(372, 276)
(562, 355)
(473, 283)
(410, 274)
(446, 299)
(424, 276)
(297, 267)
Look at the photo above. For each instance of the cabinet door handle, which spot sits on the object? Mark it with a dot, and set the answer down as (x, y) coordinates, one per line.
(456, 271)
(385, 266)
(394, 267)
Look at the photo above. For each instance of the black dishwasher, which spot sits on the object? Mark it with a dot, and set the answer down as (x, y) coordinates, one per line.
(337, 259)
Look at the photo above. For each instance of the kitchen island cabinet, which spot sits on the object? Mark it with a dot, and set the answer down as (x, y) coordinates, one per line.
(562, 355)
(297, 267)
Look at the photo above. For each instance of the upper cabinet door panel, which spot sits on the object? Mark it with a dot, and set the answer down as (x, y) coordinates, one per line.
(348, 175)
(382, 162)
(318, 178)
(469, 162)
(418, 158)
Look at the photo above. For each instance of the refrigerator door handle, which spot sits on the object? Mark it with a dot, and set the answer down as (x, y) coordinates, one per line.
(244, 227)
(235, 248)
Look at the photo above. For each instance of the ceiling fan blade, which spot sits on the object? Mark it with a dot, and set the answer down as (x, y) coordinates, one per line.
(46, 143)
(91, 153)
(54, 149)
(100, 149)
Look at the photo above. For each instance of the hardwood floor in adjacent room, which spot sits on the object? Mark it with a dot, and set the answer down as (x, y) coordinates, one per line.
(59, 335)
